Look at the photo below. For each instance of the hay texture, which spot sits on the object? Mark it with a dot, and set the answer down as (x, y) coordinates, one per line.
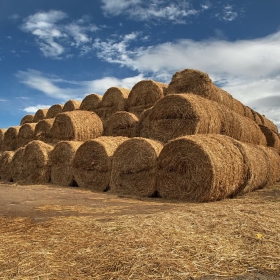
(76, 126)
(36, 168)
(142, 128)
(26, 134)
(5, 166)
(268, 123)
(92, 163)
(10, 138)
(61, 162)
(90, 102)
(17, 164)
(71, 105)
(113, 100)
(144, 95)
(121, 123)
(134, 167)
(40, 115)
(2, 133)
(43, 131)
(27, 119)
(200, 168)
(272, 138)
(257, 117)
(54, 110)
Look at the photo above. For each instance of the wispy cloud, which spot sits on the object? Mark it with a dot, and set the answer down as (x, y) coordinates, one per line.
(34, 109)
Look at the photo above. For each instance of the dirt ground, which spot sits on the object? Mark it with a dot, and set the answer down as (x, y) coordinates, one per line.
(44, 203)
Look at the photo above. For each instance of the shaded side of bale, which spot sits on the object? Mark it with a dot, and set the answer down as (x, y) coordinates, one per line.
(40, 115)
(91, 102)
(268, 123)
(256, 117)
(10, 138)
(43, 131)
(77, 125)
(92, 163)
(144, 95)
(17, 164)
(26, 134)
(121, 123)
(113, 100)
(5, 166)
(2, 133)
(54, 110)
(142, 128)
(200, 168)
(134, 167)
(71, 105)
(248, 113)
(272, 138)
(27, 119)
(61, 159)
(36, 168)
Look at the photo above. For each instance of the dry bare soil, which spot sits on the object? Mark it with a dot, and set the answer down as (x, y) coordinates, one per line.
(53, 232)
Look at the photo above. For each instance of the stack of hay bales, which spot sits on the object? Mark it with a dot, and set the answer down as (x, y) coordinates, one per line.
(91, 102)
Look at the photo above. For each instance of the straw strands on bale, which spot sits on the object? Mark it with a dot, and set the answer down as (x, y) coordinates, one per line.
(2, 132)
(113, 100)
(17, 164)
(43, 130)
(257, 117)
(268, 123)
(26, 134)
(71, 105)
(61, 159)
(36, 168)
(134, 167)
(144, 95)
(54, 110)
(27, 119)
(90, 102)
(200, 168)
(10, 138)
(272, 138)
(5, 166)
(143, 124)
(121, 123)
(76, 126)
(93, 160)
(40, 115)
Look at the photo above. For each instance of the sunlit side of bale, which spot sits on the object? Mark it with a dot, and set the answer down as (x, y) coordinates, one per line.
(71, 105)
(54, 110)
(40, 114)
(91, 102)
(27, 119)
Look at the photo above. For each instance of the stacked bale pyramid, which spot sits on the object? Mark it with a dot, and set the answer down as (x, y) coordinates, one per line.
(188, 140)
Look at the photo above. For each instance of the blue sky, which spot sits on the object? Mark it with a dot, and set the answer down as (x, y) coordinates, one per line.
(53, 50)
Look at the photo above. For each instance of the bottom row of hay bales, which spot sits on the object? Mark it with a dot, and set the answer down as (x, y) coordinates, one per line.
(194, 168)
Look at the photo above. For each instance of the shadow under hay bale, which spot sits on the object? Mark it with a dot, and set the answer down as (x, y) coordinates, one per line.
(272, 138)
(40, 115)
(26, 134)
(144, 95)
(36, 167)
(17, 165)
(2, 133)
(54, 110)
(134, 167)
(92, 162)
(5, 166)
(27, 119)
(43, 131)
(113, 100)
(200, 168)
(76, 126)
(121, 124)
(61, 159)
(71, 105)
(91, 102)
(10, 138)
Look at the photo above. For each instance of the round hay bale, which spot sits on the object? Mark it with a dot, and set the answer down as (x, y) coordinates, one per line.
(142, 128)
(40, 115)
(61, 159)
(27, 119)
(43, 131)
(256, 117)
(2, 133)
(36, 167)
(248, 113)
(113, 100)
(92, 163)
(10, 138)
(26, 134)
(238, 107)
(134, 167)
(5, 166)
(144, 95)
(71, 105)
(17, 164)
(54, 110)
(272, 138)
(268, 123)
(91, 102)
(200, 168)
(121, 123)
(76, 126)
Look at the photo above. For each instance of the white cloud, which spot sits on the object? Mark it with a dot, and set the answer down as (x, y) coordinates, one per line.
(3, 100)
(34, 109)
(228, 13)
